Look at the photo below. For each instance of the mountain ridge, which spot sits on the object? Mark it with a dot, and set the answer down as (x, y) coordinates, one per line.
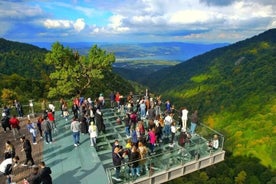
(234, 88)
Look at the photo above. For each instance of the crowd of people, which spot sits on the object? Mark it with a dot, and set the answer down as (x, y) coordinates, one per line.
(13, 126)
(41, 174)
(146, 126)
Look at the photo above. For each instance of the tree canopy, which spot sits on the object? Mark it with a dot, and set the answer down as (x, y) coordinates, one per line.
(73, 74)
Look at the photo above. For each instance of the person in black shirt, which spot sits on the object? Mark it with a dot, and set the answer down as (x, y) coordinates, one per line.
(28, 151)
(34, 177)
(45, 174)
(117, 158)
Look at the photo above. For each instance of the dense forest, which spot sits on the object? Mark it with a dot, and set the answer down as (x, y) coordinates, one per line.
(234, 89)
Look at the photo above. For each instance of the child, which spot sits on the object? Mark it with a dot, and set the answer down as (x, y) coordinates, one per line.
(129, 144)
(93, 131)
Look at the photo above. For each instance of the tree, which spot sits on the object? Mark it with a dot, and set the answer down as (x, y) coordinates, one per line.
(8, 96)
(240, 179)
(73, 73)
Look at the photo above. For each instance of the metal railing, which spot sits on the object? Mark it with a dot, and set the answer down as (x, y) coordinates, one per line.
(169, 158)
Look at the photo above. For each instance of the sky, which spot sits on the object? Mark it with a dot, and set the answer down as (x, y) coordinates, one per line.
(193, 21)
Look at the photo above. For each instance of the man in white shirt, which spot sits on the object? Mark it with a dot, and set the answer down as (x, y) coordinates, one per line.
(168, 121)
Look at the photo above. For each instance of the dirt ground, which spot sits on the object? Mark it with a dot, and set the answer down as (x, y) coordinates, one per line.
(20, 172)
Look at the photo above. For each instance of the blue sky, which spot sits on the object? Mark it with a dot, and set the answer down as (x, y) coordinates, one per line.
(200, 21)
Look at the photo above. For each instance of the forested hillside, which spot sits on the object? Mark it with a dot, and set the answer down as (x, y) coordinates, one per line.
(234, 89)
(24, 75)
(24, 59)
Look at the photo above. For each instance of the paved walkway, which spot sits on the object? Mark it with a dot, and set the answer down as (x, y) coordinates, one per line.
(69, 164)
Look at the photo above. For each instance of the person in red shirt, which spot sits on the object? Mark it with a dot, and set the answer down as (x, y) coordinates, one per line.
(14, 122)
(117, 99)
(51, 119)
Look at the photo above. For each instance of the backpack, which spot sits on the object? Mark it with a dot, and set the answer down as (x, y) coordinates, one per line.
(8, 169)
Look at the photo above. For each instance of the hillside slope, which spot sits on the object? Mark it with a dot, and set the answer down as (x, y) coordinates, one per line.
(234, 89)
(24, 74)
(24, 59)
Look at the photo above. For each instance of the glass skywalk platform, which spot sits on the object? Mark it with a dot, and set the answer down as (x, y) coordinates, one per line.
(168, 163)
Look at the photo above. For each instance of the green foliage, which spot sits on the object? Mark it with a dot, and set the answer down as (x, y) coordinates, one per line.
(239, 169)
(8, 96)
(24, 59)
(234, 89)
(25, 72)
(240, 179)
(74, 74)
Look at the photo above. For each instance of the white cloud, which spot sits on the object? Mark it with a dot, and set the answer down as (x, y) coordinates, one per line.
(116, 24)
(189, 16)
(177, 20)
(78, 25)
(60, 24)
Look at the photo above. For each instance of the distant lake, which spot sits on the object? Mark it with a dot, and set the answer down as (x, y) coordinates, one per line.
(162, 51)
(173, 57)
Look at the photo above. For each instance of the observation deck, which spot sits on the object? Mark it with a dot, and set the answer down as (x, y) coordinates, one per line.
(85, 165)
(168, 163)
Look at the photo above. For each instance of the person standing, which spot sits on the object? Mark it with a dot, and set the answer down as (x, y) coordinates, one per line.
(47, 129)
(31, 128)
(134, 161)
(51, 118)
(173, 131)
(45, 173)
(14, 122)
(194, 122)
(127, 123)
(184, 118)
(19, 108)
(152, 140)
(6, 110)
(143, 151)
(168, 106)
(75, 128)
(143, 109)
(38, 123)
(99, 121)
(117, 158)
(93, 131)
(5, 122)
(26, 146)
(75, 110)
(167, 127)
(84, 126)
